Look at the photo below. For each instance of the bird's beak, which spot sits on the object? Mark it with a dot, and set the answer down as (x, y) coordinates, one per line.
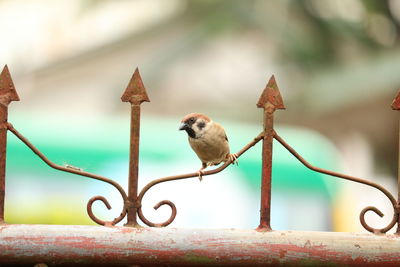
(183, 126)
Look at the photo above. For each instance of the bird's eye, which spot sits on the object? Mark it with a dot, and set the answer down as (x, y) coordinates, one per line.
(191, 120)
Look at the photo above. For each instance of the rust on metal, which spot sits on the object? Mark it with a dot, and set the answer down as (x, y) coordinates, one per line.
(82, 173)
(7, 95)
(396, 106)
(7, 89)
(270, 101)
(135, 93)
(272, 95)
(354, 179)
(56, 245)
(180, 177)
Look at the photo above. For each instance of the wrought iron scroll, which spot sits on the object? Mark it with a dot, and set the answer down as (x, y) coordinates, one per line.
(180, 177)
(354, 179)
(82, 173)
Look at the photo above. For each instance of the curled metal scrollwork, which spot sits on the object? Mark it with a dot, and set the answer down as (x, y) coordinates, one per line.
(179, 177)
(380, 214)
(77, 171)
(354, 179)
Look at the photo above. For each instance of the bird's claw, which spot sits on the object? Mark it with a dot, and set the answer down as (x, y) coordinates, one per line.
(200, 173)
(233, 158)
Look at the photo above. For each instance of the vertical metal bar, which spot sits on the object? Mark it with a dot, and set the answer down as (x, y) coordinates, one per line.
(133, 164)
(270, 101)
(3, 149)
(396, 106)
(266, 172)
(7, 94)
(136, 94)
(398, 183)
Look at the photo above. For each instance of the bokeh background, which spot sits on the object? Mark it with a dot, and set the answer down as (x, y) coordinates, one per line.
(336, 64)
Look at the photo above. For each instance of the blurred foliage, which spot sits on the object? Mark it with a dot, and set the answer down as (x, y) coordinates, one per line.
(315, 39)
(307, 33)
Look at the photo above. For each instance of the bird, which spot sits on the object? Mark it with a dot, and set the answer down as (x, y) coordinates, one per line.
(208, 140)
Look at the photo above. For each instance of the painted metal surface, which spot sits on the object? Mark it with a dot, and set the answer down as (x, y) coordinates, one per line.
(125, 246)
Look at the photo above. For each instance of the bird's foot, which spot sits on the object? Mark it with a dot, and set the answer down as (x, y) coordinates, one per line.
(233, 157)
(200, 173)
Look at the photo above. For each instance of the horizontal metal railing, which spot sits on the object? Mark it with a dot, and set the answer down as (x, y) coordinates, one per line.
(62, 245)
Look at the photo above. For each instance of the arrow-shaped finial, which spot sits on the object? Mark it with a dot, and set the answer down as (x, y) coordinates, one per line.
(271, 96)
(7, 89)
(396, 102)
(135, 92)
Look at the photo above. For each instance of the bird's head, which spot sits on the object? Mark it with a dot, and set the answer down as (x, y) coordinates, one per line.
(195, 124)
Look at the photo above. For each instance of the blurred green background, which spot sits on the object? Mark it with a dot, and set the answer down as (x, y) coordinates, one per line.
(336, 64)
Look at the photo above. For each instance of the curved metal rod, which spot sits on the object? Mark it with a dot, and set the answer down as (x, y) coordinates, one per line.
(82, 173)
(179, 177)
(354, 179)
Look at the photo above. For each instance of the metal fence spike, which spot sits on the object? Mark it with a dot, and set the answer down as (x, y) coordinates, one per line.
(270, 100)
(7, 89)
(135, 92)
(271, 96)
(7, 94)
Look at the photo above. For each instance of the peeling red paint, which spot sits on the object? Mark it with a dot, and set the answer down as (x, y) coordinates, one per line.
(282, 253)
(70, 245)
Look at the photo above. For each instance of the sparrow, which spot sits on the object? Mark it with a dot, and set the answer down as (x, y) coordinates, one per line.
(208, 140)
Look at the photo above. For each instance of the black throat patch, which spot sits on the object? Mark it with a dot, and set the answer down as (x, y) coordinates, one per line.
(190, 132)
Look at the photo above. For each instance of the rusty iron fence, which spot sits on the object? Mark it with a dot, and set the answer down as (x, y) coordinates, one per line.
(135, 93)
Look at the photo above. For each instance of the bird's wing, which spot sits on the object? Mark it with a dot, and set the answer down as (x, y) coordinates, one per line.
(220, 132)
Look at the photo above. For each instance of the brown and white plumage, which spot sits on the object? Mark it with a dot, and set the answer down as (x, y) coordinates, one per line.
(207, 139)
